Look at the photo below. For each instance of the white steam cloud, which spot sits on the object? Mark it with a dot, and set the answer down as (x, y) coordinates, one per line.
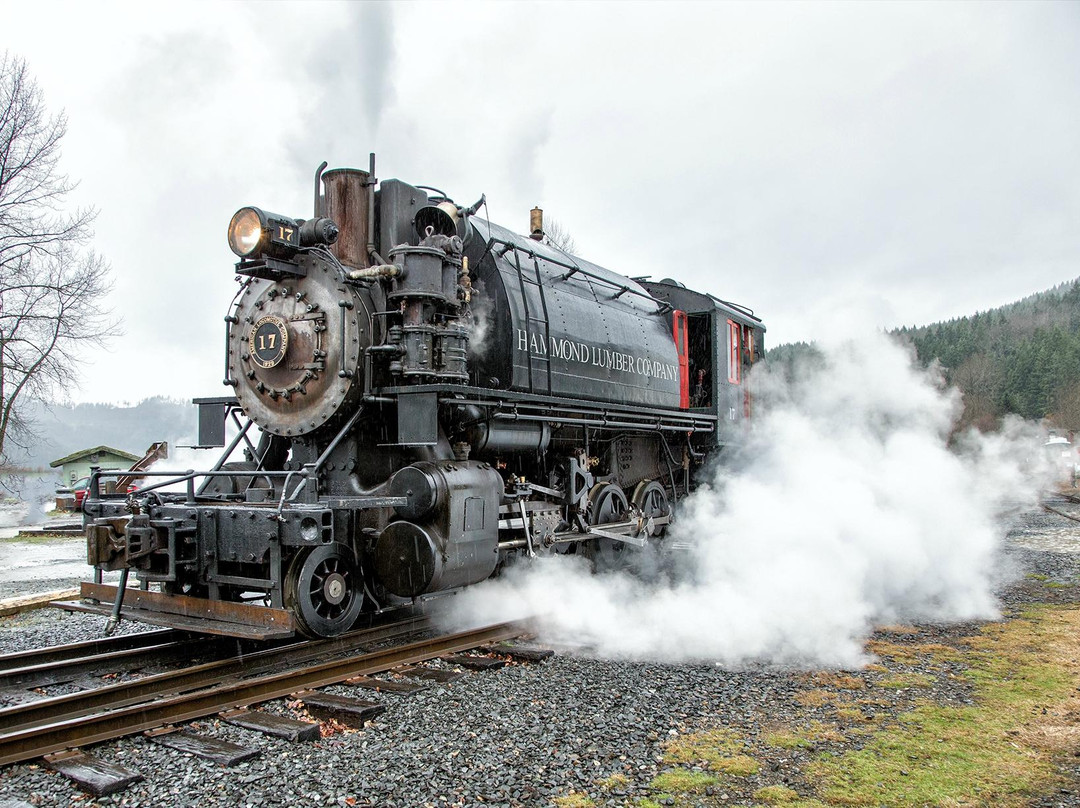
(847, 508)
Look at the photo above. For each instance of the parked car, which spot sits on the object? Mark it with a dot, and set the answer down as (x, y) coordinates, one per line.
(80, 487)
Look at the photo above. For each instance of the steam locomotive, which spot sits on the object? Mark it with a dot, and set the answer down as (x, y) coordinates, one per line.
(420, 395)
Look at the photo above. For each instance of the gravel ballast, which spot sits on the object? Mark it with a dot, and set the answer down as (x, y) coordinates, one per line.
(521, 735)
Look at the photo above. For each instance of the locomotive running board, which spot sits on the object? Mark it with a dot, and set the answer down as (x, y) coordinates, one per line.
(186, 613)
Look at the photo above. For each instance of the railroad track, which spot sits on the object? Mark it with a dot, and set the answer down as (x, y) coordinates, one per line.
(64, 663)
(1061, 495)
(51, 725)
(292, 655)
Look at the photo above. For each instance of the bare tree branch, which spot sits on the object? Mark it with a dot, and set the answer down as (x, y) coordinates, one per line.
(52, 292)
(555, 235)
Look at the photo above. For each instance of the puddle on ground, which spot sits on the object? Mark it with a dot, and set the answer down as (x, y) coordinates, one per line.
(1063, 540)
(62, 560)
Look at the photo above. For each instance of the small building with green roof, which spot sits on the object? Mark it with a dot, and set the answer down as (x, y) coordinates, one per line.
(77, 465)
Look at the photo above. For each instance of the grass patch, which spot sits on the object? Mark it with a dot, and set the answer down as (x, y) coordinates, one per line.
(807, 737)
(853, 714)
(776, 795)
(999, 752)
(914, 653)
(719, 750)
(702, 746)
(683, 781)
(815, 698)
(788, 739)
(574, 799)
(616, 781)
(737, 766)
(839, 681)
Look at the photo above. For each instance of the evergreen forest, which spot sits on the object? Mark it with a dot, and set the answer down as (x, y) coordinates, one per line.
(1021, 358)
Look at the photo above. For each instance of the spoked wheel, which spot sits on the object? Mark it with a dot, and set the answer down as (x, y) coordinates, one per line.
(607, 503)
(324, 591)
(651, 499)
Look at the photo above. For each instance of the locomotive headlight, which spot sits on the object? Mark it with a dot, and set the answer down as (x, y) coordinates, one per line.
(246, 231)
(256, 233)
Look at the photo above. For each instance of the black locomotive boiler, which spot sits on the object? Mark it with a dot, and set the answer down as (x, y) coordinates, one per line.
(420, 395)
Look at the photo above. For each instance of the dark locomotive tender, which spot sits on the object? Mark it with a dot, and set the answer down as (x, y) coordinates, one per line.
(433, 394)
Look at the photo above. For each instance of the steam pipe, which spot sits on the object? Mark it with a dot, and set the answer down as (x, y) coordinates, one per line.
(371, 210)
(318, 186)
(380, 271)
(114, 618)
(642, 426)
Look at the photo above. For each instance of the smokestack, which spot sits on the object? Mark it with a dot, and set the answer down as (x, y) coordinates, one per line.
(536, 224)
(347, 204)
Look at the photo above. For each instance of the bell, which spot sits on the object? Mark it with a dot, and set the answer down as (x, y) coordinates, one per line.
(441, 218)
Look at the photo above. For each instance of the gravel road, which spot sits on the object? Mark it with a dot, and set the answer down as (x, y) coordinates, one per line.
(518, 736)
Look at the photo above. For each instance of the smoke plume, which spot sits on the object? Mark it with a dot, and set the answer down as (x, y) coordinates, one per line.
(847, 507)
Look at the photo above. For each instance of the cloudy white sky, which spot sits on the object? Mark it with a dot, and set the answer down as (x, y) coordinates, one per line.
(890, 163)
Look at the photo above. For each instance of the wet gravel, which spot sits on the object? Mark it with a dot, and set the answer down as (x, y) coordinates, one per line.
(526, 733)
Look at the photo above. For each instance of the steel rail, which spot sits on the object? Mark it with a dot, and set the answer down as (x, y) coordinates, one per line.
(140, 691)
(63, 670)
(37, 741)
(80, 650)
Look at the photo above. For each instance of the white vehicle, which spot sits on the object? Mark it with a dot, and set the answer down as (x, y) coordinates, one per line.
(1063, 456)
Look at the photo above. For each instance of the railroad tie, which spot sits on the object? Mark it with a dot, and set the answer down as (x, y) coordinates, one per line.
(91, 774)
(475, 663)
(386, 685)
(345, 709)
(431, 674)
(519, 653)
(278, 726)
(203, 746)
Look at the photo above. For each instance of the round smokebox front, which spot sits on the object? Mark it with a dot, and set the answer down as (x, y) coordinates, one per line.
(406, 559)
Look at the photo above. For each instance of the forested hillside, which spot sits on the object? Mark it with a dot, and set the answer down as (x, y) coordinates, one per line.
(1022, 358)
(67, 429)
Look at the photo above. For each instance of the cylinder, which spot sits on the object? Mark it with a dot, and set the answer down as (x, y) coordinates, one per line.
(347, 204)
(419, 487)
(509, 436)
(408, 561)
(423, 274)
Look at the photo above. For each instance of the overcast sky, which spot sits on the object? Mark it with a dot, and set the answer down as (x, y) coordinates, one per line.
(887, 163)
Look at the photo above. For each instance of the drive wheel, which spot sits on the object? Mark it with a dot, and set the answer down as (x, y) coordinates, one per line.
(651, 499)
(607, 504)
(323, 590)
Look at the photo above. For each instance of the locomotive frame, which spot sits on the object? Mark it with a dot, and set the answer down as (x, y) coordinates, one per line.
(423, 417)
